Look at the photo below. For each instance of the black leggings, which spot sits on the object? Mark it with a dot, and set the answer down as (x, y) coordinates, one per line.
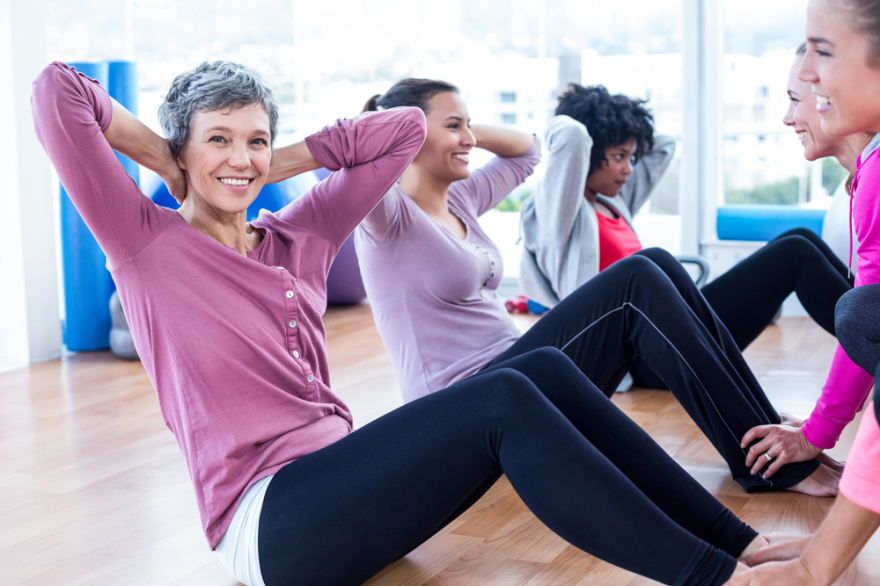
(858, 326)
(858, 331)
(747, 297)
(635, 309)
(341, 514)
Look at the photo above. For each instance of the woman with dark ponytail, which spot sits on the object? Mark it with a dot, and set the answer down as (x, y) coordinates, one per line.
(432, 277)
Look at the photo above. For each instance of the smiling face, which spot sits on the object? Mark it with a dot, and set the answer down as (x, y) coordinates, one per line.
(227, 159)
(444, 154)
(805, 120)
(837, 64)
(615, 170)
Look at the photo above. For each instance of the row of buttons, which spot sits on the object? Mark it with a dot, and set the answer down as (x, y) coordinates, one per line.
(491, 264)
(292, 323)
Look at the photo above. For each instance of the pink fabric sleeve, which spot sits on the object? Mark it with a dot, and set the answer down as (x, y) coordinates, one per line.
(368, 153)
(861, 476)
(848, 385)
(71, 113)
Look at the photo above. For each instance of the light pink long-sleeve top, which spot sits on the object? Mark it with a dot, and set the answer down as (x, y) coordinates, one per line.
(433, 295)
(848, 385)
(234, 346)
(861, 476)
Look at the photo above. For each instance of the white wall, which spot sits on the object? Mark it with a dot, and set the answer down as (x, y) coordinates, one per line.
(30, 328)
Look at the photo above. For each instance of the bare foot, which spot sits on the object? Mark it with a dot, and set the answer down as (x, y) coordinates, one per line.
(830, 462)
(822, 482)
(756, 544)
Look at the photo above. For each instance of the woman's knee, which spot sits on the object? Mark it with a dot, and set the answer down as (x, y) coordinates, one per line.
(795, 248)
(550, 356)
(853, 311)
(658, 256)
(508, 390)
(857, 327)
(805, 233)
(643, 270)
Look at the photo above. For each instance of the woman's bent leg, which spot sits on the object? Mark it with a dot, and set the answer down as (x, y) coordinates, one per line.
(341, 514)
(631, 450)
(747, 297)
(857, 319)
(631, 309)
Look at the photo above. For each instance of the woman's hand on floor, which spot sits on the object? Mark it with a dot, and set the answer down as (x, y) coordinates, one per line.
(781, 444)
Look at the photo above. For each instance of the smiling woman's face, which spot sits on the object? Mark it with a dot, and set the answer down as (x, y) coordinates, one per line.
(444, 155)
(803, 118)
(227, 158)
(838, 64)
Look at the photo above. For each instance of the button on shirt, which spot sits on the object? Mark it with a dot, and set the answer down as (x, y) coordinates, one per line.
(234, 345)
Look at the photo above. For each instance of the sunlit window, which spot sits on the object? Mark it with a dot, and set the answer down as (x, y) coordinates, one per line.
(763, 159)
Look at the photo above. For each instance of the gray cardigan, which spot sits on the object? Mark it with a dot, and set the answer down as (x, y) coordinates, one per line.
(559, 227)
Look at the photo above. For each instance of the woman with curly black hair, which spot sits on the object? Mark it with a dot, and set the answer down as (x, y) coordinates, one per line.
(603, 161)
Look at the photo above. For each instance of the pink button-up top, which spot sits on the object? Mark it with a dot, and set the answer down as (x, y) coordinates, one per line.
(234, 346)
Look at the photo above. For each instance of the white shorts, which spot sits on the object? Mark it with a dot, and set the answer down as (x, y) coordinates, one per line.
(239, 549)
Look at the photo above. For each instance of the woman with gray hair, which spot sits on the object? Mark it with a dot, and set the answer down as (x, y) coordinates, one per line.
(226, 316)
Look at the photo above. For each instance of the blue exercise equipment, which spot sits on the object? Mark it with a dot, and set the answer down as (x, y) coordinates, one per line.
(765, 222)
(122, 85)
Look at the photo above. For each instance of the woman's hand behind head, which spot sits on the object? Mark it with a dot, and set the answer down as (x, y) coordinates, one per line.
(175, 179)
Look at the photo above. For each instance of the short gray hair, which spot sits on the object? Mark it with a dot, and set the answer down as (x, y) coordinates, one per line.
(209, 87)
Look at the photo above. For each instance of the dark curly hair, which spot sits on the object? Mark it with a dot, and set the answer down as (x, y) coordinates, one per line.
(610, 120)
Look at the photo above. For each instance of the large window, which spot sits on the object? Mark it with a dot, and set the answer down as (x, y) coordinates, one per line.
(763, 159)
(511, 59)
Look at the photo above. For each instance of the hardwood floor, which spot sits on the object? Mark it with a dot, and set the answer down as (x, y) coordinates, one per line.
(93, 488)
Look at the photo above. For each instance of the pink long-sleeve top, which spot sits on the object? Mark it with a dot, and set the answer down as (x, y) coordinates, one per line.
(234, 346)
(861, 476)
(435, 296)
(848, 385)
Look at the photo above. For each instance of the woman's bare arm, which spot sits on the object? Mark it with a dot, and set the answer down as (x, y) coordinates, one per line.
(290, 161)
(131, 137)
(504, 142)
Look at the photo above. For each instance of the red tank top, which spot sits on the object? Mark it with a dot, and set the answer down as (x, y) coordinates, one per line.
(616, 240)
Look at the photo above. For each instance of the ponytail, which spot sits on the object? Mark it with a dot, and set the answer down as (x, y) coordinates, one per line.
(372, 104)
(410, 92)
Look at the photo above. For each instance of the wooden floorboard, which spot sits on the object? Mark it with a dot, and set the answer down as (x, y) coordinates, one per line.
(94, 489)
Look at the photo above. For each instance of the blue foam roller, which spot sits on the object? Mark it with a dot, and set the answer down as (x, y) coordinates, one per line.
(765, 222)
(87, 283)
(122, 85)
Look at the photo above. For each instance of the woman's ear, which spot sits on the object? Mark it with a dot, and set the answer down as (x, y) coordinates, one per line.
(181, 162)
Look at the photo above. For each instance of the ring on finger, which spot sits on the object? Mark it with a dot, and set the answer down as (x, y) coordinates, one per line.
(768, 456)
